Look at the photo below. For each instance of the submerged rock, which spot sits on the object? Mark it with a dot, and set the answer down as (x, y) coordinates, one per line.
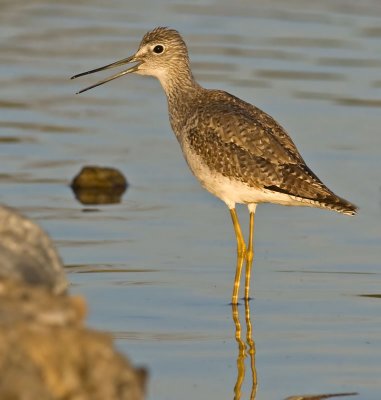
(99, 185)
(27, 253)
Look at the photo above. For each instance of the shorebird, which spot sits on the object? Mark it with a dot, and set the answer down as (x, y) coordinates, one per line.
(237, 152)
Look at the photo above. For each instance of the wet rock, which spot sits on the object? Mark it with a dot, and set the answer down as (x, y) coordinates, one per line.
(99, 177)
(99, 185)
(27, 253)
(46, 353)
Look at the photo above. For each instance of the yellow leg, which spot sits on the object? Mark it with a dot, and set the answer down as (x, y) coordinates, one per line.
(237, 279)
(249, 256)
(241, 252)
(241, 246)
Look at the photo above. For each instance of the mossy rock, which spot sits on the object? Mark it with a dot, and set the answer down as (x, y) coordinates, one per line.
(99, 185)
(94, 177)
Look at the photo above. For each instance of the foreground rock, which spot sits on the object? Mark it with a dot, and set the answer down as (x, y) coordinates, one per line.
(99, 185)
(27, 254)
(44, 346)
(45, 351)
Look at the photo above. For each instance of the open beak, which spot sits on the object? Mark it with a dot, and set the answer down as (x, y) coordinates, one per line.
(113, 65)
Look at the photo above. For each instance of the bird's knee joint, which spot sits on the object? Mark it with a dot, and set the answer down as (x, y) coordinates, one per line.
(241, 251)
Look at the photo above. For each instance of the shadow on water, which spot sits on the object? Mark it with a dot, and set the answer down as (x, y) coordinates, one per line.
(372, 295)
(97, 196)
(320, 396)
(104, 268)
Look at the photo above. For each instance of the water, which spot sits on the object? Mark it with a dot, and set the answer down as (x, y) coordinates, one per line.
(158, 268)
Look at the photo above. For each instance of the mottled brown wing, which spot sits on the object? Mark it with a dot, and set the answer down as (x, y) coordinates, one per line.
(243, 147)
(265, 120)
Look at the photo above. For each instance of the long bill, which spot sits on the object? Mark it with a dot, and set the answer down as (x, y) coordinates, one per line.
(112, 65)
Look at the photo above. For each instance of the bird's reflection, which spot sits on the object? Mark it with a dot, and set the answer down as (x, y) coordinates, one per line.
(246, 350)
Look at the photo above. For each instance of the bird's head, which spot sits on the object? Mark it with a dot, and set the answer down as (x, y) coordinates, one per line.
(162, 52)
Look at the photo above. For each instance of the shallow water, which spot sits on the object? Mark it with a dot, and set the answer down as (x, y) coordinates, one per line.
(158, 268)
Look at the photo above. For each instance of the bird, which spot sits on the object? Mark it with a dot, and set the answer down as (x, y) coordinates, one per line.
(238, 152)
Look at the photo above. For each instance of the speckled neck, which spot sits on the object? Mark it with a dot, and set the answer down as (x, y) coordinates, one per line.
(179, 83)
(181, 90)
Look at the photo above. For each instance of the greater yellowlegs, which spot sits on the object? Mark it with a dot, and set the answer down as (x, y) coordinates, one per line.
(237, 152)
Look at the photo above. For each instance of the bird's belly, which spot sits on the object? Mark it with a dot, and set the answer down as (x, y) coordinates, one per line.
(228, 189)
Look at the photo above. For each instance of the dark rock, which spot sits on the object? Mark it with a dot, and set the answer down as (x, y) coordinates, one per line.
(99, 185)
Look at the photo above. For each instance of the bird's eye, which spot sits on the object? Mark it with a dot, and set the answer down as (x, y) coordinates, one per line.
(158, 49)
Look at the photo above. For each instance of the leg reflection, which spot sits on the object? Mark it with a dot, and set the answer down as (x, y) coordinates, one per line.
(251, 350)
(244, 350)
(241, 353)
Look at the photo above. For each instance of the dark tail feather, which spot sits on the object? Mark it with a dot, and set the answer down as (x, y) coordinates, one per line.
(340, 205)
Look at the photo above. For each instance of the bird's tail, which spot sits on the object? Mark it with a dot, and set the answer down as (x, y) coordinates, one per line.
(339, 204)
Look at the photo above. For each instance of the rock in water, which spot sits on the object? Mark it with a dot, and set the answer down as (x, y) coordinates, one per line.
(99, 185)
